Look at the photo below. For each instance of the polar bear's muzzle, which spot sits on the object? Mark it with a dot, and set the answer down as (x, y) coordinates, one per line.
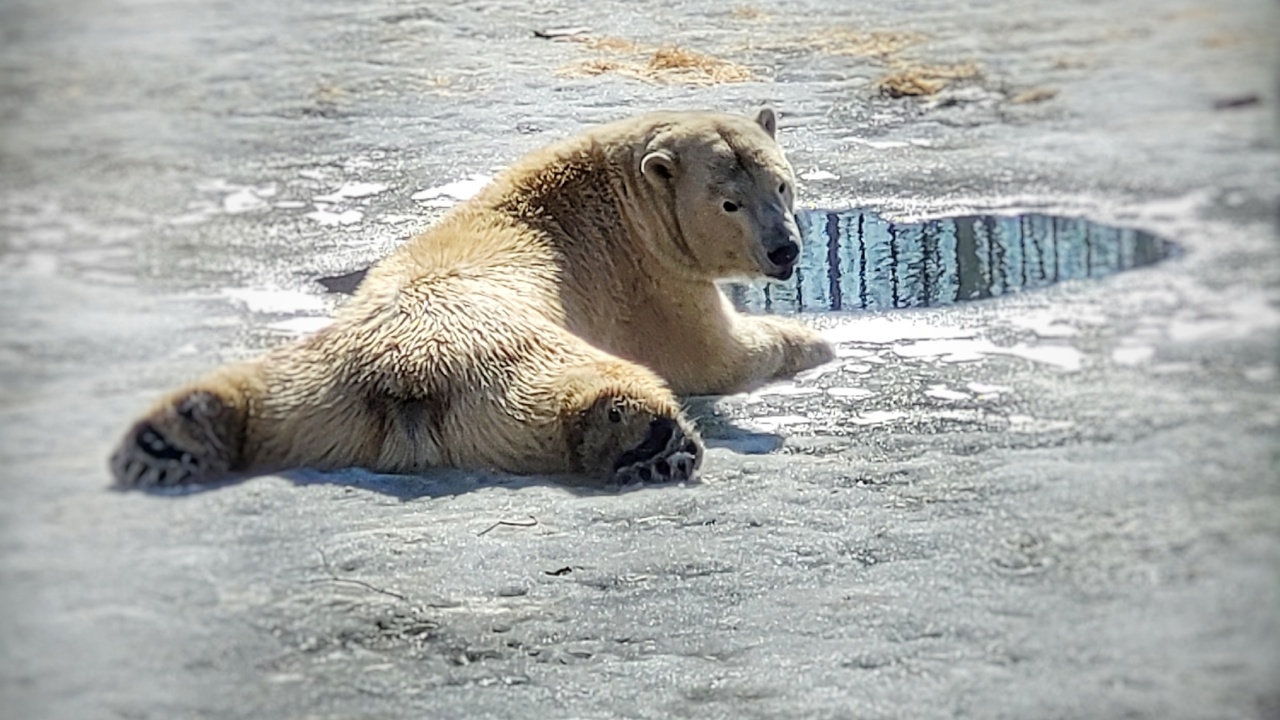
(782, 249)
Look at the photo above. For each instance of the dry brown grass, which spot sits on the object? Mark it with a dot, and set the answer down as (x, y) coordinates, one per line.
(1072, 63)
(1192, 14)
(919, 80)
(885, 47)
(881, 44)
(749, 14)
(1222, 40)
(329, 94)
(608, 44)
(1034, 95)
(668, 65)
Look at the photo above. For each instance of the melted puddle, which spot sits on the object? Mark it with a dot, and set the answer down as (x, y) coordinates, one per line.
(854, 260)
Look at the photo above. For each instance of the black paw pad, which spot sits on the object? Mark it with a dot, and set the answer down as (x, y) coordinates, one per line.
(661, 431)
(149, 459)
(667, 454)
(150, 441)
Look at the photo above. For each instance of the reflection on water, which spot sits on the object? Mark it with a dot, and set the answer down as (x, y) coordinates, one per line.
(856, 260)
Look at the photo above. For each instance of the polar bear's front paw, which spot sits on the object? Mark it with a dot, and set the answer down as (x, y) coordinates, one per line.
(668, 453)
(804, 349)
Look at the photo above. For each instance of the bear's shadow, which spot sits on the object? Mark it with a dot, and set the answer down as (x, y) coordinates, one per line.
(447, 482)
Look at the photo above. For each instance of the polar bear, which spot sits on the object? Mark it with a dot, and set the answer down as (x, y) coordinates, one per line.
(547, 325)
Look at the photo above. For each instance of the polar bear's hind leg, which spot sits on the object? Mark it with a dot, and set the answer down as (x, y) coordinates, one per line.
(626, 427)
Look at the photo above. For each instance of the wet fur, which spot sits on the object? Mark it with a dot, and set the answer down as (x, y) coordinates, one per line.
(545, 326)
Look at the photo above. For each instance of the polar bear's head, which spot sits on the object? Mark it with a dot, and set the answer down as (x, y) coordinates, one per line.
(729, 193)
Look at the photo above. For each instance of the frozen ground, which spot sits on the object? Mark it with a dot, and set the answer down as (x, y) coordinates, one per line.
(1061, 504)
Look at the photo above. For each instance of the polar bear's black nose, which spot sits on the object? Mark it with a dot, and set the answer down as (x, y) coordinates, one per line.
(784, 255)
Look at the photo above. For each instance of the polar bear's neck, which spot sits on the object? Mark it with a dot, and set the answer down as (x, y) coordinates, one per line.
(584, 197)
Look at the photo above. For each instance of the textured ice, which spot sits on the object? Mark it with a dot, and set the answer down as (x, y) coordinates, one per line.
(1029, 424)
(275, 301)
(876, 144)
(1063, 357)
(948, 350)
(883, 331)
(1260, 373)
(876, 417)
(1046, 326)
(820, 371)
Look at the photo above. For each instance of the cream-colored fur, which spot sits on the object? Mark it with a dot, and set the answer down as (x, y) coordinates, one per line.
(545, 326)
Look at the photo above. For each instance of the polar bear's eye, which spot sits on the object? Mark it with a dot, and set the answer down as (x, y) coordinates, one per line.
(730, 206)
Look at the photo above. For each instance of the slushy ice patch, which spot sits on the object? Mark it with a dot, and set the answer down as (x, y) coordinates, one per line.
(853, 259)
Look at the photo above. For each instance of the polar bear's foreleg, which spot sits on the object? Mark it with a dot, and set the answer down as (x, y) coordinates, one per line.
(775, 347)
(752, 350)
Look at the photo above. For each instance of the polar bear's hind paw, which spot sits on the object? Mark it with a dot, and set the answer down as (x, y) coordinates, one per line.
(669, 453)
(178, 444)
(148, 459)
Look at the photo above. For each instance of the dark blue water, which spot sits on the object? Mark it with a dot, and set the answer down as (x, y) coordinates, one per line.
(854, 260)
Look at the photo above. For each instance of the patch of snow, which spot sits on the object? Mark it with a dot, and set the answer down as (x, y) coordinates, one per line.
(1132, 355)
(877, 144)
(785, 391)
(816, 175)
(942, 392)
(329, 219)
(1028, 424)
(242, 201)
(776, 422)
(275, 301)
(849, 393)
(452, 192)
(352, 190)
(301, 325)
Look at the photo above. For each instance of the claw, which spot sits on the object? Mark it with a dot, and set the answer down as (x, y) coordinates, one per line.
(150, 458)
(667, 454)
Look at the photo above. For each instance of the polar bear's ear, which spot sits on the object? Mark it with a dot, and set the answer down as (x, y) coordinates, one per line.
(658, 165)
(767, 120)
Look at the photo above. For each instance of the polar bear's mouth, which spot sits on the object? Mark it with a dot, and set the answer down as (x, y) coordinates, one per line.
(781, 274)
